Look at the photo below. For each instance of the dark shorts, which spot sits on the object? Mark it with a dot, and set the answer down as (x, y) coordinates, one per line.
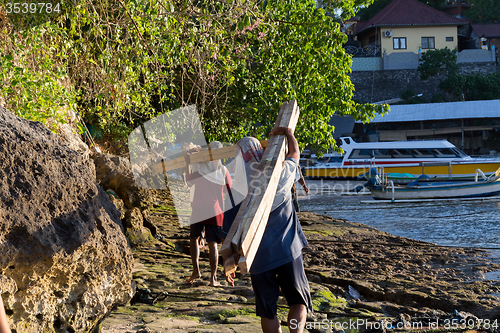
(292, 280)
(212, 233)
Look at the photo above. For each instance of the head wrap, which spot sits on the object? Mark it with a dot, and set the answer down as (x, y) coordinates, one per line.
(212, 171)
(243, 168)
(252, 152)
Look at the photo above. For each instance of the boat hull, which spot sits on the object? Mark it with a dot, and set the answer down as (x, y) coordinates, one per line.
(456, 171)
(437, 191)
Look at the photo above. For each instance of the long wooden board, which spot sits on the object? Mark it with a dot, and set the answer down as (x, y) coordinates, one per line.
(202, 156)
(254, 215)
(228, 249)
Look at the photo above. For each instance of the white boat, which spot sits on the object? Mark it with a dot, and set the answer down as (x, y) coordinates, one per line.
(404, 159)
(425, 188)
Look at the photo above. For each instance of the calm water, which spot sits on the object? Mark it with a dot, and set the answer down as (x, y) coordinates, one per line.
(451, 223)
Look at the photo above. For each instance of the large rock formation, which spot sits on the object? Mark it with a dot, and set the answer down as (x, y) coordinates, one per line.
(64, 259)
(115, 173)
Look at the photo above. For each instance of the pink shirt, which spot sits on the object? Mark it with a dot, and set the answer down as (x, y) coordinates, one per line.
(208, 199)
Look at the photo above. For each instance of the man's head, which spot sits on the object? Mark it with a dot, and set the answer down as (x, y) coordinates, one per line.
(251, 149)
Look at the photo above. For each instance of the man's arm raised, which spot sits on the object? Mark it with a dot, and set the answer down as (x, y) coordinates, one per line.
(293, 145)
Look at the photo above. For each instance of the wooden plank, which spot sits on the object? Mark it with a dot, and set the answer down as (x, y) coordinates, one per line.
(230, 264)
(236, 237)
(244, 228)
(242, 264)
(272, 172)
(255, 218)
(228, 248)
(202, 156)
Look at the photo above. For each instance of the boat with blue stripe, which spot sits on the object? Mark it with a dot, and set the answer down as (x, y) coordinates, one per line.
(425, 188)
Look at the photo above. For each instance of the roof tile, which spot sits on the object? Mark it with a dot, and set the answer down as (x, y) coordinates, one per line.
(487, 30)
(409, 12)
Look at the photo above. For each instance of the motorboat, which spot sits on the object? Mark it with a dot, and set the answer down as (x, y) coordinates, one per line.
(403, 160)
(426, 188)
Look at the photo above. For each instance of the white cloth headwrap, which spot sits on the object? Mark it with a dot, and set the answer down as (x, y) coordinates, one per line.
(212, 171)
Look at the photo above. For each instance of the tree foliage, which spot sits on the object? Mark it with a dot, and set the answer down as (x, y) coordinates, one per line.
(484, 11)
(121, 63)
(471, 87)
(439, 61)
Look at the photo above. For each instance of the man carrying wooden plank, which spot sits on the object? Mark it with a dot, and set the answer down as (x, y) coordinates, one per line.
(209, 179)
(278, 261)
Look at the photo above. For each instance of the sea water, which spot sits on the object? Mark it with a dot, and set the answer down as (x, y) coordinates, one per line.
(451, 223)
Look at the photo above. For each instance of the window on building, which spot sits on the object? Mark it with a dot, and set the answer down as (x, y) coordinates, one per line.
(399, 43)
(428, 43)
(449, 39)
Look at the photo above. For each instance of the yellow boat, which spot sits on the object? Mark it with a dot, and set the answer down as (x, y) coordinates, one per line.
(404, 160)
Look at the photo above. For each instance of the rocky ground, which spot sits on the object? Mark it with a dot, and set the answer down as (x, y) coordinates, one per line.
(360, 278)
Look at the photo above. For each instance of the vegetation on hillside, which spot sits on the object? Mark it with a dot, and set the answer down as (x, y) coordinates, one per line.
(473, 87)
(438, 61)
(455, 87)
(121, 63)
(484, 11)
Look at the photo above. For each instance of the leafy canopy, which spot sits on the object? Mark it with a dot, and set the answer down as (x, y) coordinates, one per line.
(439, 61)
(473, 87)
(484, 11)
(121, 63)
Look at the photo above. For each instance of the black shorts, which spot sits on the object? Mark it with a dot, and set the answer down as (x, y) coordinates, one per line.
(292, 280)
(211, 232)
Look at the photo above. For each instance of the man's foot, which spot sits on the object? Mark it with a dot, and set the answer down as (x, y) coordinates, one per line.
(193, 278)
(215, 283)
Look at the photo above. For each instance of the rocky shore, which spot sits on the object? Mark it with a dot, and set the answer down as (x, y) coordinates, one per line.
(361, 279)
(67, 260)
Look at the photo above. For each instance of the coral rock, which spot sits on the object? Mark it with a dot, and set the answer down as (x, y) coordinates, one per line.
(64, 259)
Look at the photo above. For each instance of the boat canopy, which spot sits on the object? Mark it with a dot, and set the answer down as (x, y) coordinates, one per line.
(400, 149)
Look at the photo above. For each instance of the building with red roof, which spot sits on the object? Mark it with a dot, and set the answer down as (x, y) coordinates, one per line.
(410, 26)
(486, 35)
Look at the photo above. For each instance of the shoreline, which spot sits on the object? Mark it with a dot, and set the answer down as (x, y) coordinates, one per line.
(397, 279)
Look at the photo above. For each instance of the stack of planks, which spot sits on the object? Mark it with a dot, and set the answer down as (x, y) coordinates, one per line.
(246, 233)
(202, 156)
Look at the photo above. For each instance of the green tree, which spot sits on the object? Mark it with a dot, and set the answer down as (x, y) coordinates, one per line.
(289, 64)
(471, 87)
(484, 11)
(121, 63)
(434, 62)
